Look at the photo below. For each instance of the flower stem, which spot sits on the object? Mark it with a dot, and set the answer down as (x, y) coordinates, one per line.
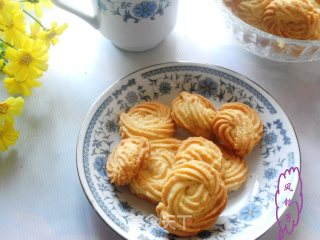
(35, 19)
(10, 45)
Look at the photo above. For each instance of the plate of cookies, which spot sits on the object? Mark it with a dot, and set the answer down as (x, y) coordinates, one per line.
(186, 150)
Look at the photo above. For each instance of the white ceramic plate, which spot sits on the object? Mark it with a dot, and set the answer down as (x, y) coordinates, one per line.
(250, 211)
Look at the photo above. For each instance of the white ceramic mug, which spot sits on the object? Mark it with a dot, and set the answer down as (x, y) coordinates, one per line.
(133, 25)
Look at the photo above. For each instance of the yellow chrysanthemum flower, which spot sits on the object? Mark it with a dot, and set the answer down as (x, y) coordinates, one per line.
(13, 27)
(8, 136)
(24, 88)
(6, 9)
(37, 5)
(28, 62)
(10, 108)
(35, 30)
(51, 35)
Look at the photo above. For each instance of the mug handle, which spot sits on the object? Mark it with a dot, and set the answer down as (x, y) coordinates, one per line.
(92, 20)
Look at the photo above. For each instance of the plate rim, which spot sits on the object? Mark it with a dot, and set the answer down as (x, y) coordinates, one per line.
(87, 118)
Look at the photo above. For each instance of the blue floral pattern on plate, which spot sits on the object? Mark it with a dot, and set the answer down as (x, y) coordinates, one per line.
(135, 12)
(250, 212)
(249, 209)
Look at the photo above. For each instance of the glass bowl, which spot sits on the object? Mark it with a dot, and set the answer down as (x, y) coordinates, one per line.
(267, 45)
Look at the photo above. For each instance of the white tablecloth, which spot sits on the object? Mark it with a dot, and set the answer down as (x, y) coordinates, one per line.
(40, 193)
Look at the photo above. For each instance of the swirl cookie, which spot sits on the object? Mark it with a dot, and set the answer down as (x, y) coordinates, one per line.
(200, 149)
(194, 113)
(149, 182)
(192, 199)
(238, 128)
(235, 170)
(231, 3)
(126, 159)
(151, 120)
(297, 19)
(250, 11)
(316, 3)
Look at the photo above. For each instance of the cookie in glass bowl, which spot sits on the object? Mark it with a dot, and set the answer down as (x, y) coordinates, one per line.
(280, 30)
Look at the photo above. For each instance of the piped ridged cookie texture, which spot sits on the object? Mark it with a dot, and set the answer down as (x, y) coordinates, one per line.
(192, 199)
(238, 127)
(151, 120)
(235, 170)
(148, 184)
(200, 149)
(126, 160)
(297, 19)
(194, 113)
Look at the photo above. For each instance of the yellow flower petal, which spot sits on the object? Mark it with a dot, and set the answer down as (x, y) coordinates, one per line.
(11, 53)
(1, 64)
(8, 136)
(6, 9)
(10, 108)
(38, 10)
(24, 88)
(37, 6)
(35, 30)
(14, 27)
(61, 29)
(51, 35)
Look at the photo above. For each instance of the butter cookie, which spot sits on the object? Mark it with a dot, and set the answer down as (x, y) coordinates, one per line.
(192, 199)
(194, 113)
(238, 127)
(151, 120)
(200, 149)
(126, 159)
(250, 11)
(297, 19)
(149, 182)
(235, 170)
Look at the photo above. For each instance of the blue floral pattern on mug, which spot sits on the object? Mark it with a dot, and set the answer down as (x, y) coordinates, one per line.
(101, 5)
(145, 9)
(136, 12)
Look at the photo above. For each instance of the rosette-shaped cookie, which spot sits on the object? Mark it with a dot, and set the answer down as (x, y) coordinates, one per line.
(231, 3)
(193, 113)
(316, 3)
(192, 199)
(238, 127)
(151, 120)
(235, 170)
(297, 19)
(200, 149)
(250, 11)
(149, 182)
(126, 159)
